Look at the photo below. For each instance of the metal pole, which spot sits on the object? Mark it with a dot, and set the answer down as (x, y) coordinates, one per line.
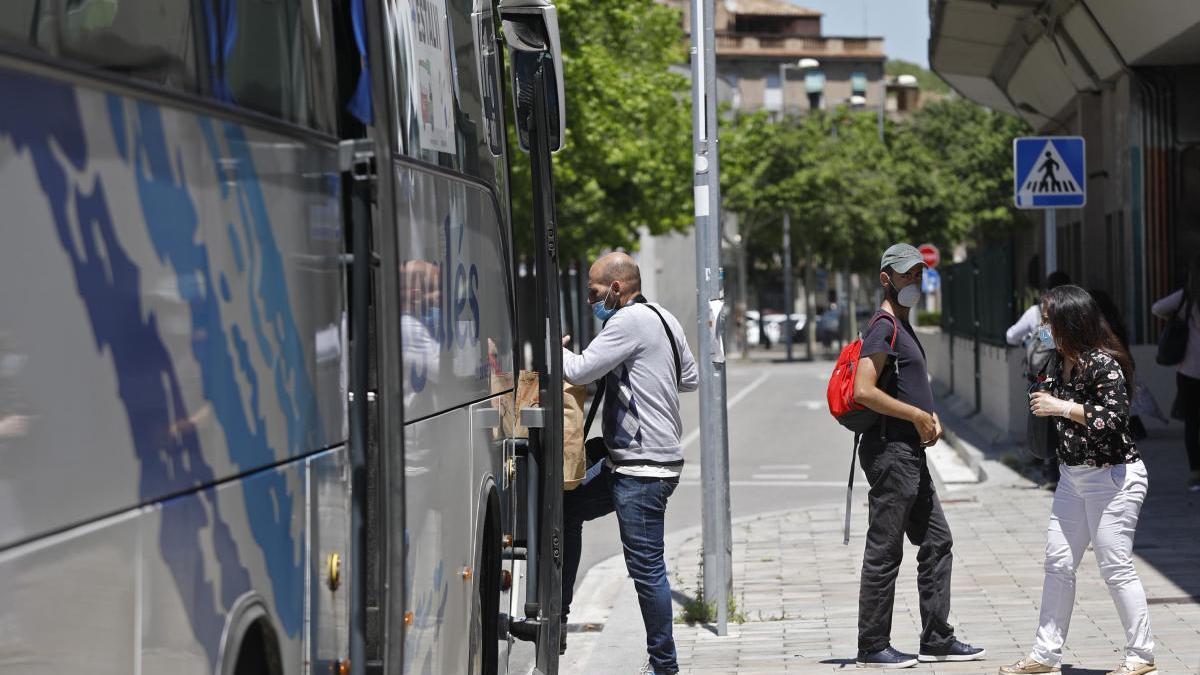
(1051, 241)
(810, 307)
(782, 90)
(788, 302)
(714, 438)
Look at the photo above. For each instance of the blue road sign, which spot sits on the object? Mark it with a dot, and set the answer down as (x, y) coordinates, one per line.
(1049, 172)
(930, 281)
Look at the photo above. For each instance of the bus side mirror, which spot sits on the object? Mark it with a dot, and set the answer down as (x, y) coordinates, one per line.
(531, 32)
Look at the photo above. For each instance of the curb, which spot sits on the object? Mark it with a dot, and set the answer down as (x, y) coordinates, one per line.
(968, 453)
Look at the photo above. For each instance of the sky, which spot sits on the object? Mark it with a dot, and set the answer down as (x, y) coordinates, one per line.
(904, 24)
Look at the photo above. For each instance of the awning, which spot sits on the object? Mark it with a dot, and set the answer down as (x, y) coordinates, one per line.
(1032, 57)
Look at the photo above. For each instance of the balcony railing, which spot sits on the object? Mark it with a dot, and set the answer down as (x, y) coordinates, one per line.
(749, 43)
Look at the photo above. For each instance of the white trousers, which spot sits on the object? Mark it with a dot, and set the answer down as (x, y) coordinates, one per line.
(1099, 506)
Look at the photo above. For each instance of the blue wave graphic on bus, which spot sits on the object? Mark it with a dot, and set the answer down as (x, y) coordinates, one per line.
(171, 219)
(108, 282)
(51, 129)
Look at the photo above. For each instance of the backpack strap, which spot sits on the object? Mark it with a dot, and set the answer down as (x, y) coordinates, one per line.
(895, 326)
(882, 418)
(850, 489)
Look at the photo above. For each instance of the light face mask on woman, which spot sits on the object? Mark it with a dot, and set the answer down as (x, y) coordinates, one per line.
(1046, 337)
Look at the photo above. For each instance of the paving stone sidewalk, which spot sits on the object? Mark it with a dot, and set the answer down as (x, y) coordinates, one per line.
(797, 585)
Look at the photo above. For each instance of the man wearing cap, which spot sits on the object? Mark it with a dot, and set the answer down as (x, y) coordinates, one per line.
(902, 500)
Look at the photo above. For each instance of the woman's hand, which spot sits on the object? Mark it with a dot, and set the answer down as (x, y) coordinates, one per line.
(1042, 404)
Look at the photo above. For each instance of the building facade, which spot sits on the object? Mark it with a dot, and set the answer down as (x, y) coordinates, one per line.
(760, 44)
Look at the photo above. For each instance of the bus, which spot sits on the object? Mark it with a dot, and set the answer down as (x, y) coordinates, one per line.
(259, 355)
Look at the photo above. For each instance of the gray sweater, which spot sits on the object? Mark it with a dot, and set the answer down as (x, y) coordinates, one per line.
(641, 421)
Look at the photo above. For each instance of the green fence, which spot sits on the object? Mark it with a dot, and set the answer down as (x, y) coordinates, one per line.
(978, 294)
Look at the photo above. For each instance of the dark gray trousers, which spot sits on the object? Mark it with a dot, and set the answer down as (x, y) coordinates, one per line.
(903, 502)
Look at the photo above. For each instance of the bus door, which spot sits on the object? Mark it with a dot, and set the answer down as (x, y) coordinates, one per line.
(376, 413)
(535, 62)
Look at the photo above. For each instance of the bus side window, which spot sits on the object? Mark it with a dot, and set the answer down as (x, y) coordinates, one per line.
(271, 61)
(152, 40)
(26, 21)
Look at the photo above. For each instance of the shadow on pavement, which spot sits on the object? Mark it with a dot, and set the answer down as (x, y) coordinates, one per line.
(1168, 532)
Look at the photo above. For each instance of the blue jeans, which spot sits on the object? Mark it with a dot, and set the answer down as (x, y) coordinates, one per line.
(640, 504)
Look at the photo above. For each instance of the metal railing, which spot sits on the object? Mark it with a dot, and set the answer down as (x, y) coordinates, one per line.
(978, 303)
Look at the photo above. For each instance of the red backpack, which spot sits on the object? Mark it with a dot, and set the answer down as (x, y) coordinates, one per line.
(842, 406)
(850, 414)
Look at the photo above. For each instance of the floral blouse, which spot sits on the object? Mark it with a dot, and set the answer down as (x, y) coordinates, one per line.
(1097, 383)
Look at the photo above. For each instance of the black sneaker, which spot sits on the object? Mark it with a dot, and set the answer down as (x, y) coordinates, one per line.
(955, 651)
(886, 658)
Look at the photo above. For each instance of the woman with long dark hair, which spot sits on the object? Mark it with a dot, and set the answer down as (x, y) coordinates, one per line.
(1103, 482)
(1185, 303)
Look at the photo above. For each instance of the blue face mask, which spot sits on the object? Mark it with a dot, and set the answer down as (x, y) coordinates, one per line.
(600, 311)
(1046, 338)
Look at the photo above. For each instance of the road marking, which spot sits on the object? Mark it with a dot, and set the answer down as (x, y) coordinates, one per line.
(775, 483)
(694, 434)
(779, 476)
(784, 467)
(812, 405)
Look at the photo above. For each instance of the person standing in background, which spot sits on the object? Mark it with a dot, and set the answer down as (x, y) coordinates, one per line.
(1185, 303)
(1038, 358)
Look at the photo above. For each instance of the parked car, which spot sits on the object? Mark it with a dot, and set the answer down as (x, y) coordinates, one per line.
(829, 323)
(772, 325)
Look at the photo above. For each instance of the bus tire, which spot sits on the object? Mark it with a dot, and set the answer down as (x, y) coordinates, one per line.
(485, 606)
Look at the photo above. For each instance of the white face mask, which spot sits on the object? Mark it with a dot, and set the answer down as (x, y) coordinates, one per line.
(909, 296)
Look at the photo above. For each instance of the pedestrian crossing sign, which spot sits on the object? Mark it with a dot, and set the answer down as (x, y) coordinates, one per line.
(1049, 172)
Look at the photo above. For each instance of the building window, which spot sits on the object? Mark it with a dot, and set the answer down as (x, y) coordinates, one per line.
(858, 83)
(773, 94)
(814, 86)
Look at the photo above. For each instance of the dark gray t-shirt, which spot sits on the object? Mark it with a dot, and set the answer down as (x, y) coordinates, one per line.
(912, 386)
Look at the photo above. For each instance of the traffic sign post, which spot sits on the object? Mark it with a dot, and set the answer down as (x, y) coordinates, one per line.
(1049, 172)
(931, 281)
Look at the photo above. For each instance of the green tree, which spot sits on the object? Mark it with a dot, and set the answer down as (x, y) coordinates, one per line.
(626, 160)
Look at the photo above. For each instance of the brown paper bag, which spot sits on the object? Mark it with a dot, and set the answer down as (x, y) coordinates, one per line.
(526, 396)
(574, 457)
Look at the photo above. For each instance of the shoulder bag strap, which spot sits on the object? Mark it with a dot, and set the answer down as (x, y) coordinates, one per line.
(671, 340)
(596, 399)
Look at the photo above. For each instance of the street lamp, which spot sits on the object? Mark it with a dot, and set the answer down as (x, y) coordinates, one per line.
(805, 63)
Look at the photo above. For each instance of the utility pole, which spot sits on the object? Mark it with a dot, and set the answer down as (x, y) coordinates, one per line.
(788, 302)
(1051, 233)
(810, 307)
(714, 436)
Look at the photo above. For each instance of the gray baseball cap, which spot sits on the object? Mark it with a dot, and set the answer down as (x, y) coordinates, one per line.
(901, 257)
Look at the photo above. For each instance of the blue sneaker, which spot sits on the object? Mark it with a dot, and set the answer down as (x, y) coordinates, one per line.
(648, 669)
(888, 657)
(955, 651)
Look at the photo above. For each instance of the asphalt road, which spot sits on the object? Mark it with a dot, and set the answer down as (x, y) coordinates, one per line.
(785, 450)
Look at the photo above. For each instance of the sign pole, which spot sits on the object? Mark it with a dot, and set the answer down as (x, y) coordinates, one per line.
(714, 436)
(1051, 240)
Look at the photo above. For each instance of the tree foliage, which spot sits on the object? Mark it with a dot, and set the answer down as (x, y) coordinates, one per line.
(626, 162)
(942, 176)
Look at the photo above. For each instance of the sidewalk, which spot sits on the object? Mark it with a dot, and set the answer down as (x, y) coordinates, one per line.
(797, 585)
